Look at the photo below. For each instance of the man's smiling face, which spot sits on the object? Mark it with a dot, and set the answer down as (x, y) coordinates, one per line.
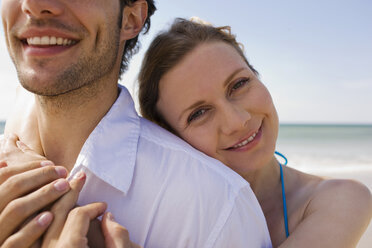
(59, 46)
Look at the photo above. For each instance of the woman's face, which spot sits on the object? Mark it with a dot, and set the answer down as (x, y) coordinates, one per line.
(214, 101)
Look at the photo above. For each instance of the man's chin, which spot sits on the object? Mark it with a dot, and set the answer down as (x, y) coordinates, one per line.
(40, 88)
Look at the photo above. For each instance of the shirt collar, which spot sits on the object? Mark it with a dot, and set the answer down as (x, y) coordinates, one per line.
(111, 149)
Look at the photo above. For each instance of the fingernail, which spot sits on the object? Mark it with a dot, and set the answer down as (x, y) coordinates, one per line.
(110, 216)
(45, 219)
(61, 171)
(79, 175)
(46, 163)
(61, 185)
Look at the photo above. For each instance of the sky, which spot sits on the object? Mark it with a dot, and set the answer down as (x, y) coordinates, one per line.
(315, 57)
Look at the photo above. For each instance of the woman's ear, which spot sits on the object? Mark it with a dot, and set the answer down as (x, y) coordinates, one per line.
(134, 17)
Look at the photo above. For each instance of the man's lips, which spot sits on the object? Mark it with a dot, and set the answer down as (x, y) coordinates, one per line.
(37, 45)
(47, 37)
(49, 41)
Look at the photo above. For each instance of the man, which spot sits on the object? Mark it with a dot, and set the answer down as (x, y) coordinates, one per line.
(69, 55)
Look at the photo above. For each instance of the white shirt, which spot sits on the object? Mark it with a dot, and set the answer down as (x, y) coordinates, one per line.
(166, 193)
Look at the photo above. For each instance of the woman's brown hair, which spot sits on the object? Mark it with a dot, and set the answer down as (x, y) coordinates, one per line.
(167, 50)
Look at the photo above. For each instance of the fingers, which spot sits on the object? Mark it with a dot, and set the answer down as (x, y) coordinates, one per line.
(16, 153)
(79, 218)
(20, 184)
(22, 172)
(28, 235)
(8, 171)
(26, 149)
(61, 208)
(23, 146)
(95, 235)
(116, 236)
(19, 209)
(77, 225)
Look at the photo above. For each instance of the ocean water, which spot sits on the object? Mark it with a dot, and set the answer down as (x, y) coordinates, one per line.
(327, 147)
(323, 147)
(2, 125)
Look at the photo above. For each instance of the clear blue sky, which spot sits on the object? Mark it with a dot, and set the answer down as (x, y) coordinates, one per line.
(315, 57)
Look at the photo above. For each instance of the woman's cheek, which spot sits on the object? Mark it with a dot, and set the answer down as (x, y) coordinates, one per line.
(200, 139)
(262, 99)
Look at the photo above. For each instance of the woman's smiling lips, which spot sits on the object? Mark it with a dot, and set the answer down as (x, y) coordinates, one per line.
(248, 142)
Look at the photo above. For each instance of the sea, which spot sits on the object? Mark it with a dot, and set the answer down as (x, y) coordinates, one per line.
(2, 125)
(327, 148)
(314, 147)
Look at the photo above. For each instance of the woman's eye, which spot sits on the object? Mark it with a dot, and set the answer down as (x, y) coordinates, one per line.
(196, 115)
(239, 84)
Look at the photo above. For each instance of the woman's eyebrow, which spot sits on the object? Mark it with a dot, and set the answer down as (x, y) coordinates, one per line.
(232, 75)
(191, 107)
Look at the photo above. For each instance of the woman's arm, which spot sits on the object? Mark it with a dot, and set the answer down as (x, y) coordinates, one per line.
(336, 216)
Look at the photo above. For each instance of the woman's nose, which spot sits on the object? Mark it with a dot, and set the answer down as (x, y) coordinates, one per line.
(42, 8)
(234, 118)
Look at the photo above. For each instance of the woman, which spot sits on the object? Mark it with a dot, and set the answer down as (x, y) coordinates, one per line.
(196, 82)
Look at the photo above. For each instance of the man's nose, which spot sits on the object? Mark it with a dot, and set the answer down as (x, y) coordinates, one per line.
(42, 8)
(234, 118)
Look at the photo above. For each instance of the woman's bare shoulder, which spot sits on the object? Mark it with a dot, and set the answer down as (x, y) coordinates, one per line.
(343, 194)
(345, 206)
(331, 209)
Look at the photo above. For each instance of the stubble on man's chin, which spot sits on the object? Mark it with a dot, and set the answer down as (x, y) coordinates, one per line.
(78, 83)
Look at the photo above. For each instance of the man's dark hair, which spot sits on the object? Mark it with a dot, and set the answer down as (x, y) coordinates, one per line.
(132, 45)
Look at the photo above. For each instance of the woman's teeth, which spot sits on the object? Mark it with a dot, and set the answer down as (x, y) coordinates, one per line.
(49, 40)
(245, 141)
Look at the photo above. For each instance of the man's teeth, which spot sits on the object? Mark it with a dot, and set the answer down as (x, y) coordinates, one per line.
(245, 141)
(50, 40)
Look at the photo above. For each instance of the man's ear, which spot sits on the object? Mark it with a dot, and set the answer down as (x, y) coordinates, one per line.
(134, 17)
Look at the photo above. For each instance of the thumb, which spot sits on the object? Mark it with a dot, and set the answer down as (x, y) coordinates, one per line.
(115, 234)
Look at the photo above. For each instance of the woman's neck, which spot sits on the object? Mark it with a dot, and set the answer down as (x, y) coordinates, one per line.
(265, 182)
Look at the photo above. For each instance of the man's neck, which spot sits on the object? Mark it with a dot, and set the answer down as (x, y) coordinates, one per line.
(66, 121)
(57, 127)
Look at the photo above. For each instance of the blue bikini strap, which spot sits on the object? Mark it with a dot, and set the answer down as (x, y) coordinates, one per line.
(283, 193)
